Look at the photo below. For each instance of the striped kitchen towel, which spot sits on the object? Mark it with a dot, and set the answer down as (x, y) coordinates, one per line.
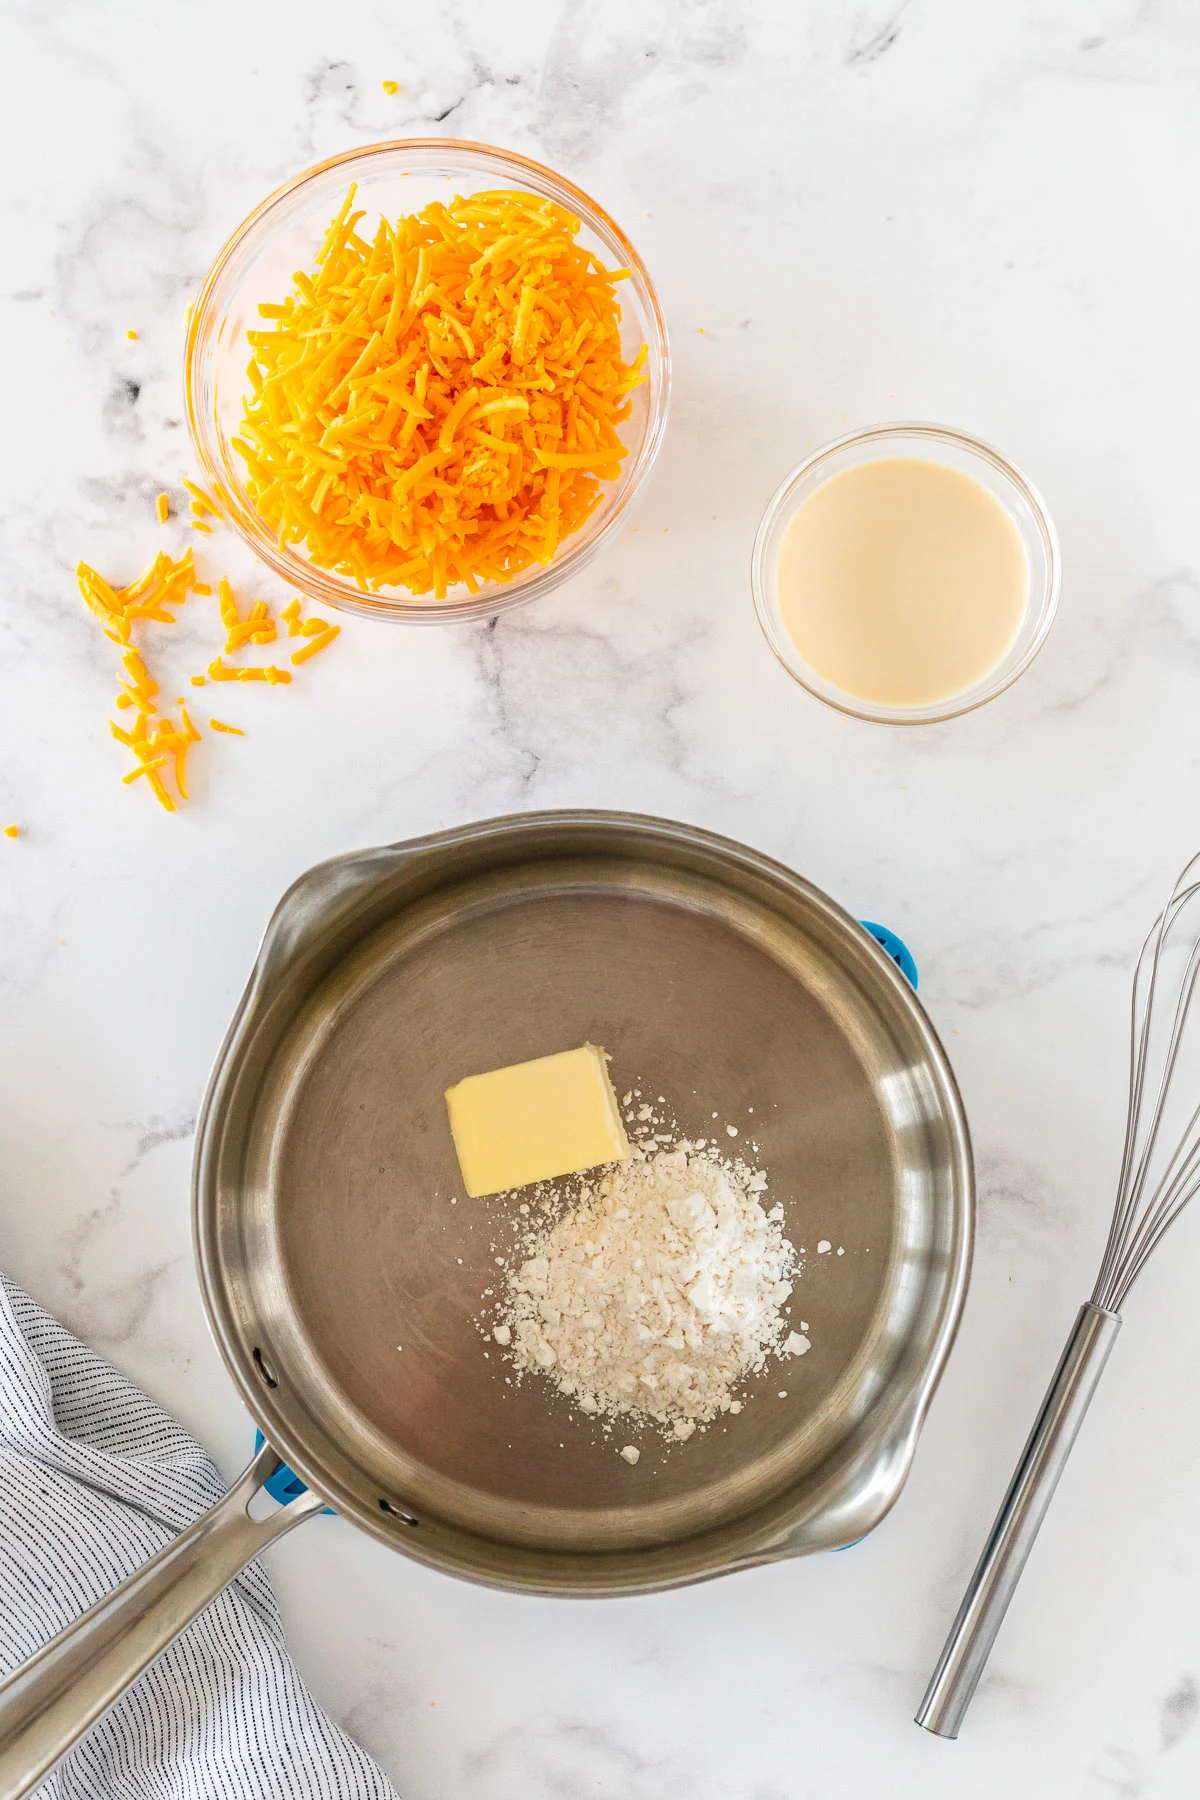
(94, 1478)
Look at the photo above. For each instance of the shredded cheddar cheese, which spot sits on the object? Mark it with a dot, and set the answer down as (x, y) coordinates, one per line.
(154, 750)
(146, 768)
(319, 629)
(201, 502)
(438, 405)
(159, 742)
(165, 582)
(220, 671)
(203, 508)
(256, 628)
(315, 643)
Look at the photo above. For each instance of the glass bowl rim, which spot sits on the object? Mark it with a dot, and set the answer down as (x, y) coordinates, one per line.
(335, 590)
(957, 704)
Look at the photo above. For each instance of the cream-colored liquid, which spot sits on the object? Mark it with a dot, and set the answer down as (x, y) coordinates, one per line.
(902, 581)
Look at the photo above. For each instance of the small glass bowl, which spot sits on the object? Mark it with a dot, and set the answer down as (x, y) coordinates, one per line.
(932, 443)
(284, 234)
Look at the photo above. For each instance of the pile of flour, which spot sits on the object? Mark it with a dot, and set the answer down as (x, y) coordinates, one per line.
(657, 1292)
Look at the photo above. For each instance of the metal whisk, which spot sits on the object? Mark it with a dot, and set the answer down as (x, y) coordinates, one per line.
(1151, 1194)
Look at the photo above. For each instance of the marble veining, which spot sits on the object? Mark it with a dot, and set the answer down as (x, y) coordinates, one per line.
(981, 215)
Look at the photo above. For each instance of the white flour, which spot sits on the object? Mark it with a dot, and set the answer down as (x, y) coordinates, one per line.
(657, 1292)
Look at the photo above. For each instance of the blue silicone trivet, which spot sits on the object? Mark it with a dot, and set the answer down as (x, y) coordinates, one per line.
(896, 948)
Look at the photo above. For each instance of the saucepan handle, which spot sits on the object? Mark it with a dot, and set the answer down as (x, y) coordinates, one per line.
(48, 1704)
(1017, 1524)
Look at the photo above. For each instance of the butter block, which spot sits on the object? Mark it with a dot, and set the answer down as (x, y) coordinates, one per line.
(553, 1116)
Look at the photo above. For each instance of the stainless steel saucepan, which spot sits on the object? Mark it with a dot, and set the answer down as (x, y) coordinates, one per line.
(326, 1238)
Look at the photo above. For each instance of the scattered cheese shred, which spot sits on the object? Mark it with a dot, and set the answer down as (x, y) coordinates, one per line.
(12, 831)
(315, 643)
(162, 507)
(257, 628)
(159, 743)
(146, 768)
(166, 581)
(190, 736)
(153, 751)
(220, 671)
(202, 503)
(438, 406)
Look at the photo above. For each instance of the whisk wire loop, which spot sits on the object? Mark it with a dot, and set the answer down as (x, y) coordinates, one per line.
(1138, 1222)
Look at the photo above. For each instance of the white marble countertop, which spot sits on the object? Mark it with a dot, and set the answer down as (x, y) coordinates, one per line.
(982, 214)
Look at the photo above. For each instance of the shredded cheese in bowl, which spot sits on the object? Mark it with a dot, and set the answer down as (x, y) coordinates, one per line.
(438, 404)
(454, 389)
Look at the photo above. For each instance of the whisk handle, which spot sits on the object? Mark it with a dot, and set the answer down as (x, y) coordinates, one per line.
(1017, 1524)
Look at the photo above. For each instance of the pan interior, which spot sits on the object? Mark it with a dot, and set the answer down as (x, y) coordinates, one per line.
(381, 1263)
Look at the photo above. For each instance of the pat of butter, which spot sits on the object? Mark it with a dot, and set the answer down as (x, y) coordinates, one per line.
(553, 1116)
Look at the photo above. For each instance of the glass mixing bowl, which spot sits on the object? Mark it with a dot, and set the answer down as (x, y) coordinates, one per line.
(284, 234)
(933, 443)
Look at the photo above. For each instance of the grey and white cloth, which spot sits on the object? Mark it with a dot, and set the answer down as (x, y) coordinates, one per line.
(94, 1478)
